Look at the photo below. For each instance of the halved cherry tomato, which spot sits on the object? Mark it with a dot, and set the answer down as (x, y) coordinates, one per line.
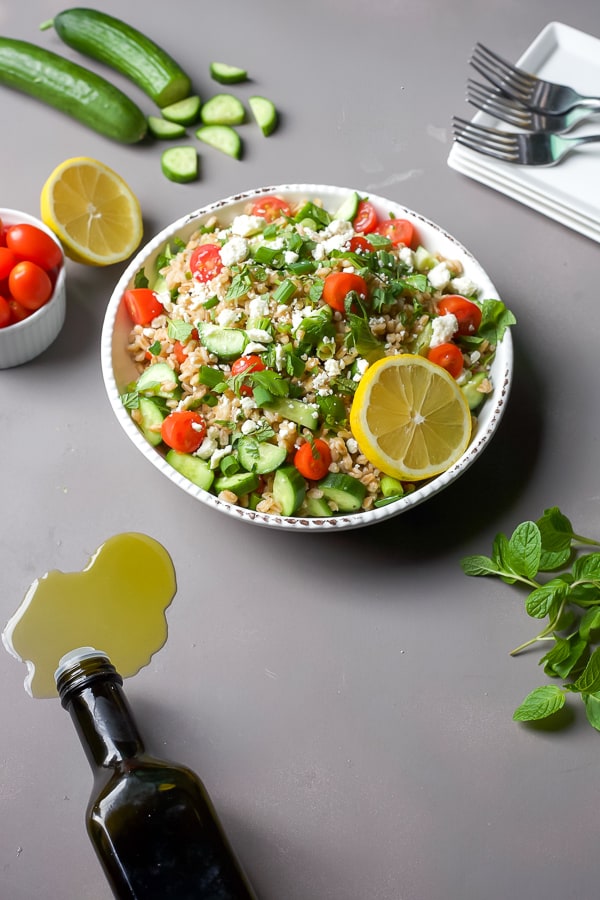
(468, 314)
(29, 242)
(183, 430)
(313, 459)
(30, 285)
(247, 364)
(143, 305)
(8, 260)
(338, 285)
(398, 231)
(206, 262)
(178, 347)
(449, 357)
(366, 219)
(17, 311)
(359, 244)
(5, 313)
(270, 208)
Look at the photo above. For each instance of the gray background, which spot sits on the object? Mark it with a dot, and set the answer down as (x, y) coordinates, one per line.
(347, 698)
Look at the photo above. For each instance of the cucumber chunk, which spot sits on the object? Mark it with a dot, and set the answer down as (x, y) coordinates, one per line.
(345, 491)
(260, 456)
(184, 112)
(180, 164)
(264, 113)
(226, 343)
(221, 137)
(223, 109)
(317, 507)
(159, 380)
(348, 208)
(191, 467)
(304, 414)
(163, 130)
(226, 74)
(239, 484)
(289, 490)
(151, 418)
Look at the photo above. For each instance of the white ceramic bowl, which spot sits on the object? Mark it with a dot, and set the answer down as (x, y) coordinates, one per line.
(25, 340)
(119, 370)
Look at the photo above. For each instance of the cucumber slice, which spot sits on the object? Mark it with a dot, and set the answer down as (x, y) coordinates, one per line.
(295, 410)
(347, 492)
(163, 130)
(151, 418)
(239, 484)
(317, 507)
(223, 109)
(226, 343)
(221, 137)
(191, 467)
(289, 489)
(265, 114)
(158, 380)
(184, 112)
(349, 208)
(226, 74)
(260, 456)
(473, 396)
(180, 164)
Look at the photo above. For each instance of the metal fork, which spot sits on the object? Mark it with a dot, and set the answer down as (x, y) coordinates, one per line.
(498, 105)
(537, 149)
(540, 96)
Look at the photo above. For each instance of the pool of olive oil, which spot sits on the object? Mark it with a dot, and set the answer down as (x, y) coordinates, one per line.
(117, 602)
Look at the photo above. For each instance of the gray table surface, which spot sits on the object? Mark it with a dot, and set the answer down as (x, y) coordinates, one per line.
(347, 698)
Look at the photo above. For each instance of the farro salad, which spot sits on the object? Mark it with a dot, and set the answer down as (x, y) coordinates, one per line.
(251, 338)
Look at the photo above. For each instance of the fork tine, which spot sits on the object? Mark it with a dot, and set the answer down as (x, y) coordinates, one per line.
(494, 103)
(497, 63)
(486, 140)
(488, 151)
(502, 82)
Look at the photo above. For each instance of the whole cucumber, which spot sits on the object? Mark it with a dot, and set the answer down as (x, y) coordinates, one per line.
(71, 88)
(125, 49)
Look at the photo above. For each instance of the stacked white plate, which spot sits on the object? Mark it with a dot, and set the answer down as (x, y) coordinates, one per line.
(569, 192)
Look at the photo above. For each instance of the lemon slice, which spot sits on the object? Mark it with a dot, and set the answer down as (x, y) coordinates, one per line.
(93, 212)
(409, 417)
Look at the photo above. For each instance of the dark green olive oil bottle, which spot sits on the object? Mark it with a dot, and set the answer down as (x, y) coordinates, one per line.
(151, 822)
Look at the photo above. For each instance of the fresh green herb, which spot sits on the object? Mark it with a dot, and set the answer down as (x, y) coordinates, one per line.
(212, 378)
(320, 216)
(210, 303)
(130, 400)
(569, 600)
(362, 338)
(240, 285)
(140, 280)
(332, 409)
(155, 348)
(495, 319)
(178, 330)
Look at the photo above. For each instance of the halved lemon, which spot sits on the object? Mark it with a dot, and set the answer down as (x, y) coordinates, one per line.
(92, 211)
(410, 418)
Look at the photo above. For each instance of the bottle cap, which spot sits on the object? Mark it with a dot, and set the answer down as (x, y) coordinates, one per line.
(77, 656)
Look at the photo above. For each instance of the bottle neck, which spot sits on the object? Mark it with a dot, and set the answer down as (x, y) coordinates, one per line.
(91, 690)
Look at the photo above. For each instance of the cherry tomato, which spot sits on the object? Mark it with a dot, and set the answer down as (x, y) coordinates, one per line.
(313, 459)
(183, 430)
(339, 284)
(468, 314)
(359, 244)
(179, 347)
(30, 242)
(366, 219)
(5, 313)
(398, 231)
(449, 357)
(8, 260)
(30, 285)
(17, 312)
(270, 208)
(250, 363)
(143, 305)
(206, 262)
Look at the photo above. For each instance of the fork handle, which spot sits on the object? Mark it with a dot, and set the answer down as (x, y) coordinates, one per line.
(583, 139)
(592, 103)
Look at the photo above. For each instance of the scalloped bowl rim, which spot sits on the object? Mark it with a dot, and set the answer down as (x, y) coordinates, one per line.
(115, 361)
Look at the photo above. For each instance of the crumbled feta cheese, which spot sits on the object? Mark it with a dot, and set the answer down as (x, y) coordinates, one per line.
(218, 455)
(277, 244)
(244, 226)
(464, 286)
(247, 404)
(259, 334)
(258, 307)
(443, 329)
(234, 251)
(407, 256)
(475, 356)
(249, 426)
(319, 380)
(226, 317)
(439, 276)
(352, 445)
(207, 448)
(253, 347)
(290, 257)
(319, 252)
(335, 242)
(361, 364)
(333, 367)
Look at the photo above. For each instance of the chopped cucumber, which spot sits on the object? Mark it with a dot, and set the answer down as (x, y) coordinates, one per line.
(346, 492)
(472, 395)
(226, 74)
(223, 109)
(226, 343)
(265, 114)
(151, 418)
(317, 507)
(260, 456)
(221, 137)
(289, 489)
(239, 484)
(349, 207)
(420, 345)
(163, 130)
(191, 467)
(159, 380)
(424, 261)
(184, 112)
(180, 164)
(295, 410)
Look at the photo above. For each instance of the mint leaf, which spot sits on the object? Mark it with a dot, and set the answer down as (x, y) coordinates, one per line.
(589, 680)
(524, 549)
(539, 704)
(592, 709)
(479, 565)
(587, 568)
(495, 319)
(546, 599)
(564, 657)
(590, 623)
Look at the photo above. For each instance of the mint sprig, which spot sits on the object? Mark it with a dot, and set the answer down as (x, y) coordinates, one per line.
(547, 557)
